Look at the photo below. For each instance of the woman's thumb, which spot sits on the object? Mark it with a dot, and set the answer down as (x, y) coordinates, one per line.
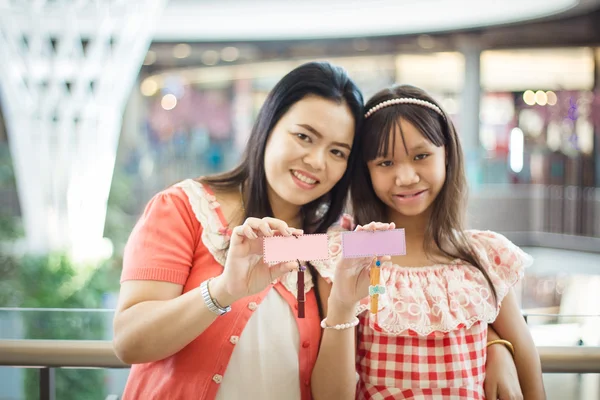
(281, 269)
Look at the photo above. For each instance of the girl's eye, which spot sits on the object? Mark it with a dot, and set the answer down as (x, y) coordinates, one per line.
(385, 164)
(421, 157)
(303, 137)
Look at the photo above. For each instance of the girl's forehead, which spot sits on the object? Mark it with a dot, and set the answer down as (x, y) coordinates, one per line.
(405, 139)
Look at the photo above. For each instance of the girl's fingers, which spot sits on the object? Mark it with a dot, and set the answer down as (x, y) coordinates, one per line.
(376, 226)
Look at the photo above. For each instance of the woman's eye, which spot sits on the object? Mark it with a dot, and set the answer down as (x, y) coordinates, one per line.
(303, 137)
(385, 164)
(338, 153)
(421, 157)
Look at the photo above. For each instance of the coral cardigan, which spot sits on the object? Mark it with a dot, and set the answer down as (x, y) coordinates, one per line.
(180, 238)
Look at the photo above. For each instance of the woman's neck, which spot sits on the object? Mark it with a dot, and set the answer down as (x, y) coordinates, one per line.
(287, 212)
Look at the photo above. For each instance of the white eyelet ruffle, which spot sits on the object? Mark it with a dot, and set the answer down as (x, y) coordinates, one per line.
(438, 299)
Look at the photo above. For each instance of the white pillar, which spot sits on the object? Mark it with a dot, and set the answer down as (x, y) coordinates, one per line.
(470, 101)
(67, 70)
(596, 119)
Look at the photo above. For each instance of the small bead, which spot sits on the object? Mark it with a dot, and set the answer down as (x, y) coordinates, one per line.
(378, 263)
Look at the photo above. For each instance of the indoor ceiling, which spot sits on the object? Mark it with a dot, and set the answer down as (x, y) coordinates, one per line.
(247, 20)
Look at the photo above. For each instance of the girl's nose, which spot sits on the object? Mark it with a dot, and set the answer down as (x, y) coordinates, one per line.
(406, 176)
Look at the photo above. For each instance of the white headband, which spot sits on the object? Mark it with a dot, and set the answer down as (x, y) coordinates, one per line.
(404, 100)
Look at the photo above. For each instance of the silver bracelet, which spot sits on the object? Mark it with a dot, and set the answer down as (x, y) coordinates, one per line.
(211, 303)
(339, 327)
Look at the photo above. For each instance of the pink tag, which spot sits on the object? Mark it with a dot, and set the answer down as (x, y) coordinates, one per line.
(278, 249)
(373, 243)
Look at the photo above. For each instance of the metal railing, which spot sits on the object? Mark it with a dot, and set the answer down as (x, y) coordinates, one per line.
(46, 355)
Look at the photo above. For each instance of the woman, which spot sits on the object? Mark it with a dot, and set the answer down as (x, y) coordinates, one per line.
(294, 173)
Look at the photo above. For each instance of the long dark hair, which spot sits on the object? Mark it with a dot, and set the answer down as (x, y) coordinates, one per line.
(445, 229)
(316, 78)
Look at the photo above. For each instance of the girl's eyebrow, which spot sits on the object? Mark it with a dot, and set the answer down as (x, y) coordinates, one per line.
(420, 146)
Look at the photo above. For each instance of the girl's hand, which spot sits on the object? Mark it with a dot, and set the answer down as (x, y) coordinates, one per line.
(501, 378)
(351, 279)
(245, 272)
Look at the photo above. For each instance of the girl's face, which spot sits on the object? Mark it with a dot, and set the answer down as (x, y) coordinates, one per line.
(308, 149)
(409, 179)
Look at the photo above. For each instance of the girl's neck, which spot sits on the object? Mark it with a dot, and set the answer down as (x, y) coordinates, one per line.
(414, 227)
(417, 254)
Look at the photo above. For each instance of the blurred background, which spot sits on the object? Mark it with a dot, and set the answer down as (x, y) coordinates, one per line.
(103, 103)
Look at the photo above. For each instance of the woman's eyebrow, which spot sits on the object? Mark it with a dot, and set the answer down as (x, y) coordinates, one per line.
(318, 134)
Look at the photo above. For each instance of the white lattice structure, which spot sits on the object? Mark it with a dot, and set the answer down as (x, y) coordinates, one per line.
(66, 70)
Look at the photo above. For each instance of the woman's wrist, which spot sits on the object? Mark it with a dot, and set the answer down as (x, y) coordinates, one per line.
(219, 293)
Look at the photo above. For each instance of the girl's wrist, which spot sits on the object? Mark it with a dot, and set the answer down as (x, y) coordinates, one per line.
(340, 312)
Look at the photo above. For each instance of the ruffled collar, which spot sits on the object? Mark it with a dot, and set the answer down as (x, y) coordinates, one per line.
(216, 233)
(438, 299)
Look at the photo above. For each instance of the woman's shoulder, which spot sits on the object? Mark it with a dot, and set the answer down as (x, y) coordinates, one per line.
(189, 200)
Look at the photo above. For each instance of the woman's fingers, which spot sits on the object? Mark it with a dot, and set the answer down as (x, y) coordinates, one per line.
(254, 227)
(249, 232)
(278, 270)
(282, 227)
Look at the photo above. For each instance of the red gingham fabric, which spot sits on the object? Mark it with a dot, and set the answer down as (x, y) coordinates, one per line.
(428, 338)
(448, 367)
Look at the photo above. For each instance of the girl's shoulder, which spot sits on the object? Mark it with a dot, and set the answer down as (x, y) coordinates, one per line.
(497, 252)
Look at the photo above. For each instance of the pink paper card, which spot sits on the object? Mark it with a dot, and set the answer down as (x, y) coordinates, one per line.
(278, 249)
(373, 243)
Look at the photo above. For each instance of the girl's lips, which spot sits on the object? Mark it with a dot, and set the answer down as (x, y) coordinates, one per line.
(404, 199)
(410, 194)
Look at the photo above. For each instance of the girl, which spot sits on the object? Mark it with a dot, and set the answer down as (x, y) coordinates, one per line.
(200, 315)
(428, 337)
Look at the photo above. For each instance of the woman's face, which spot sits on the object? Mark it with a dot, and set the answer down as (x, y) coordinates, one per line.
(308, 149)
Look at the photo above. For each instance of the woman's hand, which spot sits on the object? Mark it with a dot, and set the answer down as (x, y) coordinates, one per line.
(351, 279)
(245, 271)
